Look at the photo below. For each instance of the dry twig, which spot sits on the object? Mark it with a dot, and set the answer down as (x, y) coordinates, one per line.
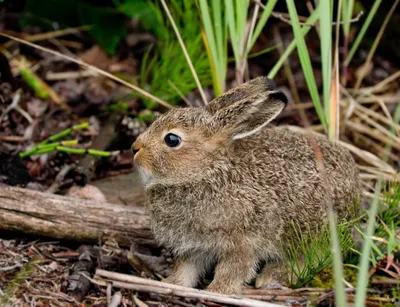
(151, 286)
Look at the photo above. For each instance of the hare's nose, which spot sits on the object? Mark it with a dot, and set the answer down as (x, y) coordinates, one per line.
(136, 146)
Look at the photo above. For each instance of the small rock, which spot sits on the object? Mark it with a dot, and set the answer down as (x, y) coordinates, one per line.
(87, 192)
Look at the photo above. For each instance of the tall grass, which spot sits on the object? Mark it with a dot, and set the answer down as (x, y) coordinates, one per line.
(306, 61)
(362, 278)
(235, 25)
(227, 22)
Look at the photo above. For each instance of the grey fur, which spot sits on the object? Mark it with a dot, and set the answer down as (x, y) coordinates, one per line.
(230, 202)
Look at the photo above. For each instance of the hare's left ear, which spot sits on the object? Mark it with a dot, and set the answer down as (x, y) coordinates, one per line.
(247, 116)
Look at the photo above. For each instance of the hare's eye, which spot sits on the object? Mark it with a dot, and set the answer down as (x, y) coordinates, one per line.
(172, 140)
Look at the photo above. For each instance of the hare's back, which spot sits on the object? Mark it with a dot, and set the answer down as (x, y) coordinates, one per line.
(298, 149)
(285, 161)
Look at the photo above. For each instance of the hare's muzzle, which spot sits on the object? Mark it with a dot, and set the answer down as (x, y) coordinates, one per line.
(136, 146)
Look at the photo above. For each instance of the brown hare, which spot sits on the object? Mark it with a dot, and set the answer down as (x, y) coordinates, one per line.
(223, 188)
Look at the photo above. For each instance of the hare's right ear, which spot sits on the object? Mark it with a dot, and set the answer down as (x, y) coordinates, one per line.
(247, 116)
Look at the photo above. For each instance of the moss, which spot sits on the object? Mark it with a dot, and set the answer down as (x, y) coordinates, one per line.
(19, 279)
(324, 279)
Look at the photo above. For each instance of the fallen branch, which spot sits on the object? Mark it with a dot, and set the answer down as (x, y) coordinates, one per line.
(124, 281)
(68, 218)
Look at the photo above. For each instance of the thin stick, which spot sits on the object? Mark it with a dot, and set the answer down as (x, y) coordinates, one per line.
(203, 96)
(382, 84)
(48, 35)
(281, 17)
(100, 71)
(152, 286)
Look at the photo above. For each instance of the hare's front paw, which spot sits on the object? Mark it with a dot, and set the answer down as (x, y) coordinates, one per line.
(224, 288)
(186, 272)
(172, 279)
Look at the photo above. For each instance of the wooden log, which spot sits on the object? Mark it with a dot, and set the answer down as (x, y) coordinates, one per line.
(61, 217)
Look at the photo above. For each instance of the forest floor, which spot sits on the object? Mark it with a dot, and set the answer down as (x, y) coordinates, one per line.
(38, 271)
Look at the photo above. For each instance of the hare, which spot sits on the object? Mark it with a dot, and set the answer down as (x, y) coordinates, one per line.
(223, 188)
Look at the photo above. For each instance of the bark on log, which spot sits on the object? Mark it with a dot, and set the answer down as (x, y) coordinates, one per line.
(68, 218)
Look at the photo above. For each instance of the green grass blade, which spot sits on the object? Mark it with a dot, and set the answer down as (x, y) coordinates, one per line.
(305, 61)
(220, 38)
(261, 23)
(363, 30)
(310, 21)
(325, 18)
(218, 26)
(362, 278)
(241, 16)
(340, 294)
(230, 15)
(212, 48)
(347, 12)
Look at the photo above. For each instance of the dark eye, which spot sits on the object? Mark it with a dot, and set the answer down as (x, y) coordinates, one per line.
(172, 140)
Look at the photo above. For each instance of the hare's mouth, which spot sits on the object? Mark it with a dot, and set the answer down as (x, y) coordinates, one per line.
(146, 176)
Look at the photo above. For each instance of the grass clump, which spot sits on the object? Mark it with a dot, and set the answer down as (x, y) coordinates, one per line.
(309, 252)
(309, 256)
(164, 70)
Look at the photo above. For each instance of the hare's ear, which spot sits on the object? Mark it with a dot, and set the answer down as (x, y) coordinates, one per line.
(247, 116)
(256, 86)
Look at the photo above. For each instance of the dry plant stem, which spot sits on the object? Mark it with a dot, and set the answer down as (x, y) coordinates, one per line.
(362, 154)
(60, 178)
(115, 299)
(98, 70)
(196, 78)
(378, 149)
(378, 116)
(378, 127)
(384, 108)
(376, 42)
(71, 44)
(276, 298)
(68, 218)
(67, 75)
(47, 35)
(334, 102)
(290, 78)
(180, 94)
(12, 138)
(386, 98)
(14, 106)
(243, 69)
(371, 132)
(139, 302)
(381, 85)
(151, 286)
(300, 291)
(281, 17)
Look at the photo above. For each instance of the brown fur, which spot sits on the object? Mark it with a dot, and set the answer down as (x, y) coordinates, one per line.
(226, 201)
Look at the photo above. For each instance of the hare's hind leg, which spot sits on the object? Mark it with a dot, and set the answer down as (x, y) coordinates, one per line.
(272, 274)
(276, 273)
(188, 270)
(233, 269)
